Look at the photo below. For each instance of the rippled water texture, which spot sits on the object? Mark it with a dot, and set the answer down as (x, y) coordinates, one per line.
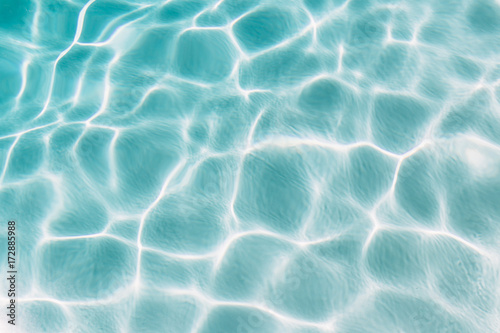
(247, 166)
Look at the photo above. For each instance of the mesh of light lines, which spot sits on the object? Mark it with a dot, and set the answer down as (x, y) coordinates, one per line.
(252, 166)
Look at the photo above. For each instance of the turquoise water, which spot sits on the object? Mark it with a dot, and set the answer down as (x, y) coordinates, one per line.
(251, 166)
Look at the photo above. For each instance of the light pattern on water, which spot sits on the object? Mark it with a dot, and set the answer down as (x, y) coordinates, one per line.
(252, 166)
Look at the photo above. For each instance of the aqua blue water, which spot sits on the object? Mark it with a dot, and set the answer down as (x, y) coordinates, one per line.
(251, 166)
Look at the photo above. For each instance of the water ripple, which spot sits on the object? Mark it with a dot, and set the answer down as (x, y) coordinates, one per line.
(252, 166)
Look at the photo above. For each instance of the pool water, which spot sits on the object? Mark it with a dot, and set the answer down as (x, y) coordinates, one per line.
(251, 166)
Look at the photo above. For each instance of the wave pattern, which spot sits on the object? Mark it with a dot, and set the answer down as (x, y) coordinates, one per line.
(253, 166)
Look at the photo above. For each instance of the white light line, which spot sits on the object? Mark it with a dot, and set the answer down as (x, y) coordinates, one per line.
(172, 174)
(81, 19)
